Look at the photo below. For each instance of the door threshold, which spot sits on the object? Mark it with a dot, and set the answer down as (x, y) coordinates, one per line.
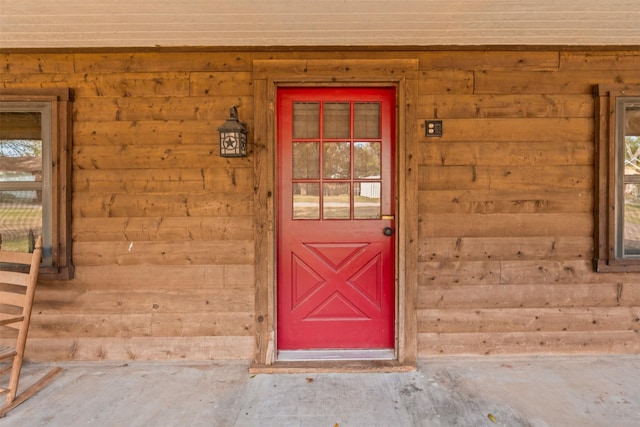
(332, 366)
(336, 355)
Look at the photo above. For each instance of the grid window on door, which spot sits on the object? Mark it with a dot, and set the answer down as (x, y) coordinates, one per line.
(336, 160)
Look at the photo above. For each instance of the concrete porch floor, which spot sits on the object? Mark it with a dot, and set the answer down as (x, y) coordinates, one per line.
(453, 391)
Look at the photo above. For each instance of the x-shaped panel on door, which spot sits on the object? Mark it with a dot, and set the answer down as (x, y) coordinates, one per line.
(340, 281)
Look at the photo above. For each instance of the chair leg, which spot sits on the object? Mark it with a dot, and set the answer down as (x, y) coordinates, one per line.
(39, 385)
(14, 377)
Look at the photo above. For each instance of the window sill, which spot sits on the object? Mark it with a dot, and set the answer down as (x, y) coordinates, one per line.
(53, 273)
(616, 266)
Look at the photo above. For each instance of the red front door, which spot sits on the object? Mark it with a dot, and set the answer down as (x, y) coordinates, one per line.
(336, 223)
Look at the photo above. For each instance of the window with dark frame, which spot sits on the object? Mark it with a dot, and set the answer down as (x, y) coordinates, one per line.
(617, 191)
(35, 175)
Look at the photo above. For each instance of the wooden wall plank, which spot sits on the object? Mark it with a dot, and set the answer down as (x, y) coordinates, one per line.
(101, 205)
(489, 60)
(141, 325)
(542, 272)
(507, 153)
(153, 253)
(136, 180)
(183, 180)
(514, 130)
(530, 320)
(458, 295)
(145, 132)
(126, 278)
(506, 248)
(446, 82)
(214, 299)
(154, 157)
(163, 228)
(361, 69)
(505, 225)
(27, 63)
(89, 325)
(587, 60)
(549, 82)
(133, 85)
(161, 62)
(158, 108)
(503, 178)
(220, 84)
(139, 348)
(535, 105)
(331, 68)
(459, 273)
(505, 201)
(100, 84)
(602, 342)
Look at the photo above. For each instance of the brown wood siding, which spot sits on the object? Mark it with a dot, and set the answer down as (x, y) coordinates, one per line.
(164, 231)
(506, 211)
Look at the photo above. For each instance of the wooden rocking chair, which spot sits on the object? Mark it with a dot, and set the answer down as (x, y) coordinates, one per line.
(17, 289)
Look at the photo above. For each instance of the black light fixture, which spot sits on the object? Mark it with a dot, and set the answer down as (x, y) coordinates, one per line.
(233, 136)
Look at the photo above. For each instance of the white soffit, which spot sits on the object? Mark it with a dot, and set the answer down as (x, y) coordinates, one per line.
(180, 23)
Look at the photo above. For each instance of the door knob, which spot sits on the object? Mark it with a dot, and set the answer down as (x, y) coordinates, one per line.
(387, 231)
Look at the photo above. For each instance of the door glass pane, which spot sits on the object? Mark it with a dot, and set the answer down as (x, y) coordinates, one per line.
(336, 120)
(306, 160)
(306, 119)
(366, 120)
(336, 162)
(336, 201)
(632, 219)
(366, 160)
(306, 201)
(366, 201)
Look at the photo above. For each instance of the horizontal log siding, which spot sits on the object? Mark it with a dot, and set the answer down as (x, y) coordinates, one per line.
(163, 228)
(506, 210)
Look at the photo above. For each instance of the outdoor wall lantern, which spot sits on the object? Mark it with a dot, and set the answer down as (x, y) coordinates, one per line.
(233, 136)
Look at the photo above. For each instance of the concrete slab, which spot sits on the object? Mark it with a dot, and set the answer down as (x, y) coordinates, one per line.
(453, 391)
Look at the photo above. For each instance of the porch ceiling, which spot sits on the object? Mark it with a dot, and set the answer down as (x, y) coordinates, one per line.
(180, 23)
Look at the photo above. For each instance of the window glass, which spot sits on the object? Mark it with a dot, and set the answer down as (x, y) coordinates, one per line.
(366, 160)
(632, 139)
(336, 162)
(306, 160)
(631, 172)
(336, 202)
(306, 201)
(306, 120)
(632, 219)
(366, 201)
(336, 120)
(366, 120)
(336, 179)
(21, 176)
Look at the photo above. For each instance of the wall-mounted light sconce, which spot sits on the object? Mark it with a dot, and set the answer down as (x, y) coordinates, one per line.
(233, 136)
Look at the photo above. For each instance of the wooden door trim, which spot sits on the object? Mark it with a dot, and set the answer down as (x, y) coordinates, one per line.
(268, 75)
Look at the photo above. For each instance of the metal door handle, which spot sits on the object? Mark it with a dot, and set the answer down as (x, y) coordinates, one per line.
(387, 231)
